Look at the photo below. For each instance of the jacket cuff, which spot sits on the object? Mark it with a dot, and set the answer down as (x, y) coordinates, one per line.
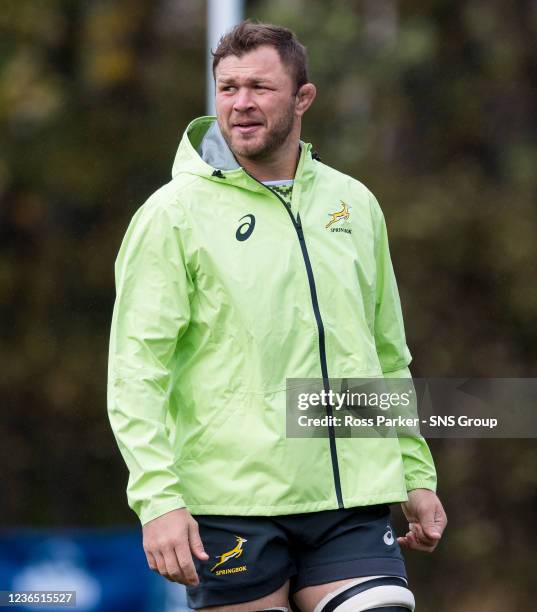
(153, 511)
(421, 484)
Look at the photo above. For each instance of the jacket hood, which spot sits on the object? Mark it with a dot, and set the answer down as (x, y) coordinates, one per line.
(203, 151)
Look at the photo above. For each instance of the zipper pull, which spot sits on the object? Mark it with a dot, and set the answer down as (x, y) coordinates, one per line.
(218, 174)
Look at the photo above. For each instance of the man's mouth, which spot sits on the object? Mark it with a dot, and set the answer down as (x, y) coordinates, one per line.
(247, 127)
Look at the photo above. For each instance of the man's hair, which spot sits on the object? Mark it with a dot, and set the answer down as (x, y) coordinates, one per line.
(249, 35)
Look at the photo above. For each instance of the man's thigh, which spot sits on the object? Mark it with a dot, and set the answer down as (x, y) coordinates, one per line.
(346, 544)
(275, 600)
(307, 598)
(385, 593)
(342, 547)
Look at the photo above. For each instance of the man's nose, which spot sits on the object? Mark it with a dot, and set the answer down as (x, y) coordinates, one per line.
(243, 100)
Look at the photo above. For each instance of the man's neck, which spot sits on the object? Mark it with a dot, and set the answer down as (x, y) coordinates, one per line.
(280, 166)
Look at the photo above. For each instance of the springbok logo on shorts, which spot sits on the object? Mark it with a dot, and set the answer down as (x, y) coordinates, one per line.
(234, 553)
(388, 536)
(340, 215)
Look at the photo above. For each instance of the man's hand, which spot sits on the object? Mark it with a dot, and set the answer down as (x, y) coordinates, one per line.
(168, 543)
(426, 520)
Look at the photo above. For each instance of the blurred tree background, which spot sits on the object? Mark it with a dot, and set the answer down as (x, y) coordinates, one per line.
(431, 104)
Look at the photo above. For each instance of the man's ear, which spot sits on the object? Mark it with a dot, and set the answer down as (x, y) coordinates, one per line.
(305, 96)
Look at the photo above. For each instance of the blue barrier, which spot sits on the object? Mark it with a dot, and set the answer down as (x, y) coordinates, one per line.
(106, 567)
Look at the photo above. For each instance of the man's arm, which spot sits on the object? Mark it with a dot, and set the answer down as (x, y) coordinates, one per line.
(151, 313)
(394, 357)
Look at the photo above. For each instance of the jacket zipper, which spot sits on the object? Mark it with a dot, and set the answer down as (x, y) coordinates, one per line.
(297, 224)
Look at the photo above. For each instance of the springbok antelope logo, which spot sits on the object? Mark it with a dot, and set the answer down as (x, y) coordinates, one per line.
(230, 554)
(340, 214)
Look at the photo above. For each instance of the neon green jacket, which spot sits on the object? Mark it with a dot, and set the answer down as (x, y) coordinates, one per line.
(222, 294)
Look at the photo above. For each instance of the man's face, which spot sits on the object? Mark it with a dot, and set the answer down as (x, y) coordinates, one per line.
(255, 102)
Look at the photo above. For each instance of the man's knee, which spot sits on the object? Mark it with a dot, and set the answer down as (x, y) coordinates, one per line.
(385, 594)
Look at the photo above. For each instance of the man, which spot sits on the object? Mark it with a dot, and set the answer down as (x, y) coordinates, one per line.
(230, 280)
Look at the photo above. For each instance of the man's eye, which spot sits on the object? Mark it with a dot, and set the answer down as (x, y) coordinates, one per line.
(228, 88)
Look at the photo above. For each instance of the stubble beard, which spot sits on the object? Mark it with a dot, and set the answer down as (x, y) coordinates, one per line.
(272, 142)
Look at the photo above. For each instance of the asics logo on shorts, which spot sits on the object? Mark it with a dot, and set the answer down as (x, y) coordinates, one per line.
(388, 536)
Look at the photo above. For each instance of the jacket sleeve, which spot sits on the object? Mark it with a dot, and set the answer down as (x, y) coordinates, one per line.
(151, 312)
(393, 352)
